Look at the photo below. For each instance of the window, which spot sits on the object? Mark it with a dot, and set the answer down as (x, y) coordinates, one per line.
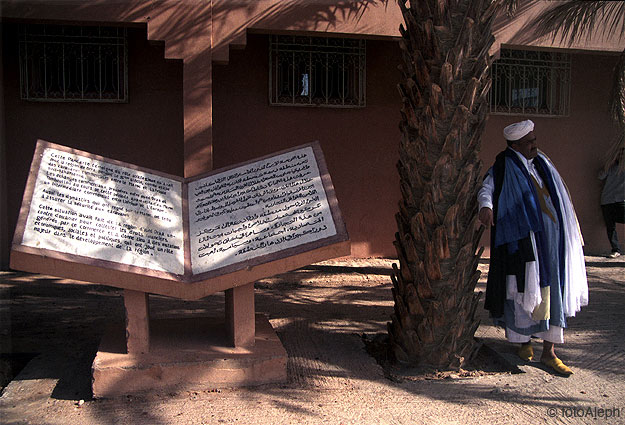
(313, 71)
(73, 63)
(527, 82)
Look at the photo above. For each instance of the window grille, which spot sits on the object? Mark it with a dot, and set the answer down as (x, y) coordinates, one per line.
(65, 63)
(316, 71)
(527, 82)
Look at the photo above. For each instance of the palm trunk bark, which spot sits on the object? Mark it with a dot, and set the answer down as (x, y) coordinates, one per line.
(444, 89)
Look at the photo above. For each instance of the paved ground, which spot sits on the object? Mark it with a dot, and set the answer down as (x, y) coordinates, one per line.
(320, 314)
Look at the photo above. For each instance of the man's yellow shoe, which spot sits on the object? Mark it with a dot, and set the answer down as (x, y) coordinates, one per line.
(557, 365)
(526, 352)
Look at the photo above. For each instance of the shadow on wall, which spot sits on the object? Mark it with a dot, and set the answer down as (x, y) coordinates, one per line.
(528, 28)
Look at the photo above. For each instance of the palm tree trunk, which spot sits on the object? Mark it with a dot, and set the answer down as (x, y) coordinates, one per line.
(444, 88)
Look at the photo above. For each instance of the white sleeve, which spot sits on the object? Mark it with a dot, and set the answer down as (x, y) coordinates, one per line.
(485, 194)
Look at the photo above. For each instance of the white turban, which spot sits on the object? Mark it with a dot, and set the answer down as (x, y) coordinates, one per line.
(518, 130)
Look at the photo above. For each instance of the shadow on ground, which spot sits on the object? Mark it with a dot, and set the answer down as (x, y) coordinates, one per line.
(327, 317)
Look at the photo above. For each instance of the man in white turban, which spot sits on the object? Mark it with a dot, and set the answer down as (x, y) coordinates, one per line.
(537, 275)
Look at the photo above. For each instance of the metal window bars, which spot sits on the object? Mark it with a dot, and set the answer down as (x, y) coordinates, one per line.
(317, 71)
(529, 82)
(66, 63)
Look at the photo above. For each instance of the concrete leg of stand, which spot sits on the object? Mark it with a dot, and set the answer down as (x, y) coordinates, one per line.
(240, 315)
(137, 321)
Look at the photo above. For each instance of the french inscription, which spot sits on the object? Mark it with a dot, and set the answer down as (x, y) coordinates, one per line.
(257, 209)
(92, 208)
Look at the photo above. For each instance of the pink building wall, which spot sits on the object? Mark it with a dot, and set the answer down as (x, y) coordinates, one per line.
(177, 110)
(201, 32)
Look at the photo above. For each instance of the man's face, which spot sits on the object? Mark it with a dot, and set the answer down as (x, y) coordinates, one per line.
(526, 145)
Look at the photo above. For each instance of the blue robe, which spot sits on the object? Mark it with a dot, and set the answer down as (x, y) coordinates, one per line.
(521, 207)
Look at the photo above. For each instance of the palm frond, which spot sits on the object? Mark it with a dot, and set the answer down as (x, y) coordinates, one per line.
(577, 19)
(510, 6)
(617, 101)
(616, 154)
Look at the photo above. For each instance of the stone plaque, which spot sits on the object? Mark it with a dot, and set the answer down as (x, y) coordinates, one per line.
(257, 209)
(115, 218)
(92, 208)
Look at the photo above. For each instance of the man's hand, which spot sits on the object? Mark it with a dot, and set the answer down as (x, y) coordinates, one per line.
(486, 216)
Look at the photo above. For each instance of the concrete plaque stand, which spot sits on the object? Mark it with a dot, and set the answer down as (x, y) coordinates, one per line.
(98, 220)
(199, 353)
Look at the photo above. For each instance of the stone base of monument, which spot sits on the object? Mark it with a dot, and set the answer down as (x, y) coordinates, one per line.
(187, 354)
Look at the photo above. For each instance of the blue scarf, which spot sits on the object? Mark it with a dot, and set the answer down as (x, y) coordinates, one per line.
(519, 212)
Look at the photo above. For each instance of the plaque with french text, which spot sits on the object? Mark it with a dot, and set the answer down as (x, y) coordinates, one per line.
(92, 208)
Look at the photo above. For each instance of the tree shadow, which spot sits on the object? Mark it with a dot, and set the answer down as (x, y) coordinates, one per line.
(323, 319)
(616, 264)
(597, 353)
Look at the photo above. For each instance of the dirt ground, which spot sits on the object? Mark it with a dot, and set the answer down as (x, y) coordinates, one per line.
(325, 315)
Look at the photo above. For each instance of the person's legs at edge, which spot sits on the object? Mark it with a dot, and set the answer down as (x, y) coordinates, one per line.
(610, 217)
